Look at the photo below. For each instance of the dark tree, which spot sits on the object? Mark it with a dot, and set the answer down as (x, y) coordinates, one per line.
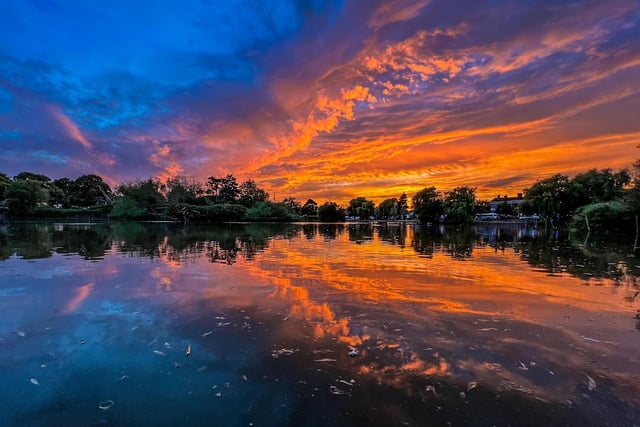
(331, 212)
(89, 190)
(596, 186)
(60, 192)
(23, 196)
(459, 204)
(403, 206)
(427, 205)
(222, 190)
(554, 198)
(361, 207)
(24, 176)
(180, 189)
(5, 182)
(310, 208)
(250, 194)
(387, 208)
(292, 206)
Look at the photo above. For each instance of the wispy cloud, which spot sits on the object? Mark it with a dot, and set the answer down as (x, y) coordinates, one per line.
(326, 101)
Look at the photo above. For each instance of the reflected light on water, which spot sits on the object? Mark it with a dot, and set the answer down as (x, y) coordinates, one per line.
(432, 313)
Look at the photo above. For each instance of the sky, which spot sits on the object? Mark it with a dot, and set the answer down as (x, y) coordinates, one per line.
(328, 100)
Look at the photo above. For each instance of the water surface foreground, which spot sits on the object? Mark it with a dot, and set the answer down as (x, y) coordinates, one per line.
(315, 324)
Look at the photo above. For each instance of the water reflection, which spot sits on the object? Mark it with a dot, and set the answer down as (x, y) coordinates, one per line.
(480, 326)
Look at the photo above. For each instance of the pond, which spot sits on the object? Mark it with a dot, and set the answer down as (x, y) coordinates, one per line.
(316, 325)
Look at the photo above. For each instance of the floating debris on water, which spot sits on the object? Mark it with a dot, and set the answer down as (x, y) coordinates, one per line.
(591, 384)
(82, 341)
(44, 365)
(590, 339)
(105, 404)
(471, 386)
(462, 394)
(34, 381)
(167, 345)
(21, 333)
(522, 366)
(244, 377)
(335, 390)
(326, 359)
(431, 388)
(124, 377)
(187, 352)
(206, 334)
(159, 353)
(349, 383)
(353, 352)
(282, 352)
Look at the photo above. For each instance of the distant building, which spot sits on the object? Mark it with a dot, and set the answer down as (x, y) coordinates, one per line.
(514, 202)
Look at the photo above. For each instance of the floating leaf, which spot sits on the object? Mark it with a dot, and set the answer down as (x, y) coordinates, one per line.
(471, 386)
(34, 381)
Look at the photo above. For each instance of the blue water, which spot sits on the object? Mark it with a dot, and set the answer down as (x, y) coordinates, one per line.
(96, 320)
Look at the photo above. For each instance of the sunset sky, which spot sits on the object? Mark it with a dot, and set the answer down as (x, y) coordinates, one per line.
(322, 99)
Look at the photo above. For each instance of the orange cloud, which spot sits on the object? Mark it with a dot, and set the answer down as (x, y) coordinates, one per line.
(70, 127)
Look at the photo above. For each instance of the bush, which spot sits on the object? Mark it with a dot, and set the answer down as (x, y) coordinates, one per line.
(604, 216)
(126, 207)
(210, 213)
(268, 211)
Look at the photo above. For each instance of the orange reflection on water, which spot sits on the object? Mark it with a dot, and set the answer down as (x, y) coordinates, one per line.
(338, 285)
(82, 293)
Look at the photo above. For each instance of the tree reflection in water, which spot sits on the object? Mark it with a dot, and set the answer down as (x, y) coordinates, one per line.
(428, 330)
(558, 252)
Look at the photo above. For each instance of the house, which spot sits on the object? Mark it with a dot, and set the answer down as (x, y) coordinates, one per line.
(514, 202)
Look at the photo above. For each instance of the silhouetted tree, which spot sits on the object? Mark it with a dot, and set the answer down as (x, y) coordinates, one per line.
(427, 205)
(402, 205)
(553, 198)
(60, 192)
(330, 212)
(89, 190)
(459, 204)
(361, 207)
(5, 182)
(387, 208)
(180, 189)
(250, 194)
(310, 208)
(292, 205)
(24, 195)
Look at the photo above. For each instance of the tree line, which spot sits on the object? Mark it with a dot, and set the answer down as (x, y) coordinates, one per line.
(593, 198)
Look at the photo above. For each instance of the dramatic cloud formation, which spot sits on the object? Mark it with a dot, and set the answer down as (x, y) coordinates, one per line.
(322, 99)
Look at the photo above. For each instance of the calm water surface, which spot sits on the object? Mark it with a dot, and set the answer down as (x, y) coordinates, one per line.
(314, 324)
